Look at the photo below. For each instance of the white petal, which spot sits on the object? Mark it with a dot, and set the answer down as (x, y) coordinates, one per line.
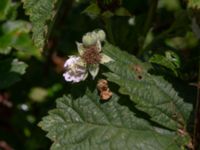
(72, 59)
(105, 59)
(76, 70)
(67, 77)
(94, 69)
(76, 79)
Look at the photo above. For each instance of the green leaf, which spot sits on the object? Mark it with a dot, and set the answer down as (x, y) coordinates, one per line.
(151, 93)
(4, 6)
(194, 4)
(107, 14)
(18, 67)
(86, 123)
(17, 27)
(170, 5)
(7, 9)
(11, 70)
(5, 47)
(121, 11)
(92, 10)
(42, 14)
(16, 35)
(171, 61)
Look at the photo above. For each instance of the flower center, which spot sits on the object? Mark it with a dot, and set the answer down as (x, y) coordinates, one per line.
(91, 55)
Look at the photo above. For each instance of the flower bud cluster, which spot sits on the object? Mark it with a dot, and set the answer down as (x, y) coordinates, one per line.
(91, 38)
(89, 58)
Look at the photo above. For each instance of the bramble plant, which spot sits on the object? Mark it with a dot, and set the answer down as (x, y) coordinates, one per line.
(127, 74)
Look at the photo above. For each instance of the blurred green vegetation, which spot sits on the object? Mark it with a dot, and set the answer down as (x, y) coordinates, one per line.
(31, 78)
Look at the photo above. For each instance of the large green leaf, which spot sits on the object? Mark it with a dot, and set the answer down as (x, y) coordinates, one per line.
(87, 124)
(10, 72)
(151, 93)
(42, 14)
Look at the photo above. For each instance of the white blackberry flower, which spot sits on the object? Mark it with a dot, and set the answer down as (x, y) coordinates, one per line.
(76, 70)
(90, 56)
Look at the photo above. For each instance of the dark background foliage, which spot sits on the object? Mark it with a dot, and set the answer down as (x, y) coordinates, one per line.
(148, 29)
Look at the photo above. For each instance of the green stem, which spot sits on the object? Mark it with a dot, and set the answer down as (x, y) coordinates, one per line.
(148, 23)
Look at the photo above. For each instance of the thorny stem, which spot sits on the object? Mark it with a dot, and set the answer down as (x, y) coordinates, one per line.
(196, 134)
